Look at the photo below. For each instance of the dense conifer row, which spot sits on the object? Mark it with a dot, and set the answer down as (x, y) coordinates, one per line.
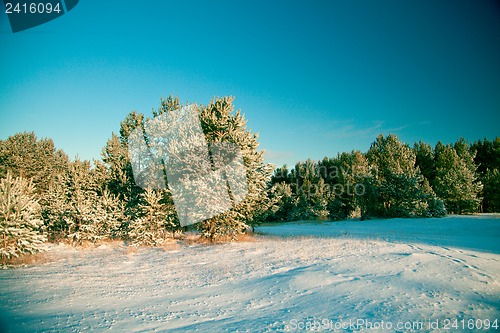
(45, 195)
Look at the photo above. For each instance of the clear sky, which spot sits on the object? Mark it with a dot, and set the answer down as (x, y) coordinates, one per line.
(313, 77)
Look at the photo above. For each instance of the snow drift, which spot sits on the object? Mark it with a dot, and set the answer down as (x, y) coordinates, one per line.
(323, 277)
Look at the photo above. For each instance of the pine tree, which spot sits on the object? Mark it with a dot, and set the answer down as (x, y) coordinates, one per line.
(56, 208)
(109, 217)
(81, 208)
(400, 184)
(222, 125)
(187, 168)
(280, 175)
(312, 194)
(82, 203)
(486, 154)
(20, 222)
(349, 174)
(487, 158)
(24, 155)
(156, 220)
(465, 154)
(456, 181)
(360, 183)
(116, 158)
(338, 202)
(319, 200)
(284, 202)
(425, 160)
(491, 191)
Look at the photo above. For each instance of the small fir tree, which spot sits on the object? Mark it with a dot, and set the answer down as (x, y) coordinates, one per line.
(156, 221)
(20, 222)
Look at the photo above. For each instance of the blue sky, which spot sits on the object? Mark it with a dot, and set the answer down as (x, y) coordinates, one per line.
(313, 77)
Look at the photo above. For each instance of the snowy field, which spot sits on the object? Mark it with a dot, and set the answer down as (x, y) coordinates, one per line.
(416, 275)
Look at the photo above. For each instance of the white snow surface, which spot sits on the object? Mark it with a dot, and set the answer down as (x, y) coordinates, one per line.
(295, 277)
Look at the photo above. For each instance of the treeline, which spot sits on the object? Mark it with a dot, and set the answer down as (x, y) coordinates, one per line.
(46, 196)
(392, 179)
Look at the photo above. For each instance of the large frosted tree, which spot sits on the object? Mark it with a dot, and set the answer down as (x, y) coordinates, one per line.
(116, 156)
(179, 159)
(222, 124)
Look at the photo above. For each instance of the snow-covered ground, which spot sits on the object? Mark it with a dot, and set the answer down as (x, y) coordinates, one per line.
(390, 275)
(475, 232)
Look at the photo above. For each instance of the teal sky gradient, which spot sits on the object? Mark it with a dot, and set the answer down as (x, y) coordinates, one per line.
(313, 77)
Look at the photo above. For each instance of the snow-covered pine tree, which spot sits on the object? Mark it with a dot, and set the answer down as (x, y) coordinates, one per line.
(55, 208)
(319, 199)
(116, 157)
(280, 194)
(24, 155)
(156, 220)
(456, 181)
(82, 201)
(400, 184)
(81, 208)
(221, 125)
(359, 182)
(311, 192)
(110, 216)
(20, 222)
(284, 202)
(349, 174)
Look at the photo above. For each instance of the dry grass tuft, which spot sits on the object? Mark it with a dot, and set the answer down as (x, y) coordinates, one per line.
(170, 245)
(189, 238)
(131, 250)
(246, 237)
(113, 243)
(86, 245)
(249, 237)
(26, 259)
